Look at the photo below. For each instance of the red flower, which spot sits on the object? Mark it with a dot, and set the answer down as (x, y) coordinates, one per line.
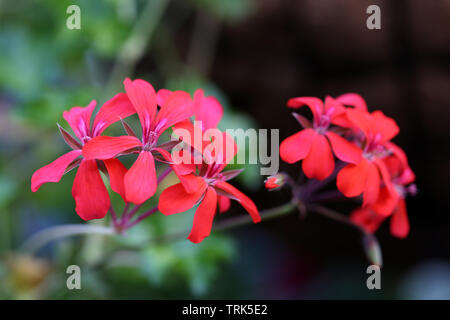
(140, 180)
(90, 194)
(313, 145)
(207, 187)
(370, 220)
(389, 204)
(383, 176)
(366, 177)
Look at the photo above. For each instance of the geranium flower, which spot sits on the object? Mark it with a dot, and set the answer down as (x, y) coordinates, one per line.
(207, 187)
(366, 177)
(315, 143)
(90, 194)
(140, 180)
(370, 219)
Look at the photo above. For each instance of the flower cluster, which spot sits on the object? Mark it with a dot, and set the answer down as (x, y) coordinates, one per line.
(342, 130)
(376, 168)
(203, 182)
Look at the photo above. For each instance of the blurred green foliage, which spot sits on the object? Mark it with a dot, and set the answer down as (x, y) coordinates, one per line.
(45, 69)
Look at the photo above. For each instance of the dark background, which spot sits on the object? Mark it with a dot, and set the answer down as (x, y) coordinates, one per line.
(319, 48)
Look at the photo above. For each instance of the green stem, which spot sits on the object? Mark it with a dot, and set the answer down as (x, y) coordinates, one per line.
(336, 216)
(232, 223)
(39, 240)
(245, 219)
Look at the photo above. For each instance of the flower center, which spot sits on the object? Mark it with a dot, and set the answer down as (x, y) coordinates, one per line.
(322, 125)
(150, 140)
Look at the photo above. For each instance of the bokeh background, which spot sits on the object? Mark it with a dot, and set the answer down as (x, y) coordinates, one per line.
(253, 55)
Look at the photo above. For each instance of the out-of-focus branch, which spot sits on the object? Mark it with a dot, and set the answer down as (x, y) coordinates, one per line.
(42, 238)
(134, 47)
(203, 42)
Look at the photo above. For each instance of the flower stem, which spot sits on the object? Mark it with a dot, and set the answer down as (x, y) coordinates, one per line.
(326, 212)
(126, 217)
(245, 219)
(113, 216)
(141, 217)
(163, 175)
(232, 223)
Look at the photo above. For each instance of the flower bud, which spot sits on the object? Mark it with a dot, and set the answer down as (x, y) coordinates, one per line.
(275, 182)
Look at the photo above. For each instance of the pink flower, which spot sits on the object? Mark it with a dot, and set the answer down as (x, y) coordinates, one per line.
(314, 144)
(140, 180)
(90, 194)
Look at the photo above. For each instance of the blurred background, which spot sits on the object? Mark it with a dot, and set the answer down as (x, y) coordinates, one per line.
(252, 55)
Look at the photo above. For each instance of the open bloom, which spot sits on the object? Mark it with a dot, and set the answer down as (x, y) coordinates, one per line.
(140, 181)
(367, 176)
(90, 194)
(314, 144)
(371, 217)
(207, 186)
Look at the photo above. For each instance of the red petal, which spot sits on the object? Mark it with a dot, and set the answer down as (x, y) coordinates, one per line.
(342, 121)
(89, 192)
(79, 119)
(386, 126)
(224, 203)
(372, 187)
(175, 199)
(162, 95)
(343, 149)
(104, 147)
(245, 201)
(143, 97)
(190, 182)
(399, 221)
(140, 180)
(362, 120)
(208, 110)
(407, 175)
(176, 108)
(190, 134)
(221, 150)
(53, 171)
(385, 203)
(297, 146)
(366, 218)
(387, 179)
(333, 108)
(351, 180)
(319, 163)
(204, 216)
(314, 104)
(354, 100)
(115, 109)
(116, 172)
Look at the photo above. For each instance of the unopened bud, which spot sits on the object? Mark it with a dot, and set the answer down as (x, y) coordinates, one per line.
(275, 182)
